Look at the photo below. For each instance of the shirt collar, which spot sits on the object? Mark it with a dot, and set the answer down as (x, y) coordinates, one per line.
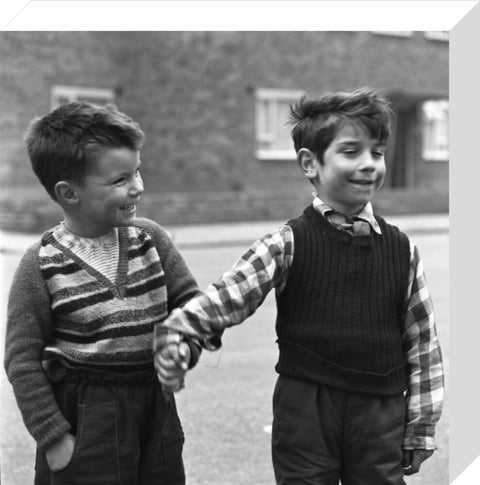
(366, 214)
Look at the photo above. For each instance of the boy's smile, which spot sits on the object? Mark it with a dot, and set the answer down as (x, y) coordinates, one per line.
(108, 195)
(353, 170)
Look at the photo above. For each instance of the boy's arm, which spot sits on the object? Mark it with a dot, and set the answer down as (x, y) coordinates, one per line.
(421, 347)
(180, 283)
(29, 328)
(236, 295)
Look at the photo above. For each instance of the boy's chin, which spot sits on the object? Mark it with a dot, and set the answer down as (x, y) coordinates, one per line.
(126, 220)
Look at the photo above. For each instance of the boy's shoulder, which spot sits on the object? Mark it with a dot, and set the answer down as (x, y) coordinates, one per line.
(28, 268)
(152, 227)
(33, 252)
(384, 224)
(161, 238)
(33, 249)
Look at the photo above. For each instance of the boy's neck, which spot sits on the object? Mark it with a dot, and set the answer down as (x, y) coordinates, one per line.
(341, 210)
(78, 229)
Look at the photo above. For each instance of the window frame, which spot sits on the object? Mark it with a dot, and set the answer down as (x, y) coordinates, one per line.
(73, 93)
(406, 34)
(272, 95)
(439, 35)
(435, 154)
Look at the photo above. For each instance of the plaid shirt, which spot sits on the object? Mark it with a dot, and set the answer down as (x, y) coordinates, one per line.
(265, 266)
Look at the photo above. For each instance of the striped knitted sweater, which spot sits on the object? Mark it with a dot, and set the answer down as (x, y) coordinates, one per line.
(62, 314)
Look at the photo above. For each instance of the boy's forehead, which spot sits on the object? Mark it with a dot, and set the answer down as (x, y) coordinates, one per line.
(351, 131)
(112, 159)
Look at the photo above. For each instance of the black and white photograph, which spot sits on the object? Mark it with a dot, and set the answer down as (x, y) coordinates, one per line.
(224, 257)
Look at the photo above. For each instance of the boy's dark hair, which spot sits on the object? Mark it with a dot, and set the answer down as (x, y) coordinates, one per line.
(62, 144)
(315, 122)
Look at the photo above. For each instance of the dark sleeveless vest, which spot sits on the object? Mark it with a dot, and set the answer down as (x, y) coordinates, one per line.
(338, 319)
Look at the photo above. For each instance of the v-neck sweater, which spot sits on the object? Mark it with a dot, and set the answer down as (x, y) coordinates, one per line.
(63, 314)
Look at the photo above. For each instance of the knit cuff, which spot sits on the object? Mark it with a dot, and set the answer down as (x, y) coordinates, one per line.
(50, 431)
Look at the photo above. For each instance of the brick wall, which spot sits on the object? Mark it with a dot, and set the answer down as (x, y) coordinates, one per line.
(193, 94)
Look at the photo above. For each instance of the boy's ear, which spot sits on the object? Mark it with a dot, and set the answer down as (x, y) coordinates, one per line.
(66, 193)
(306, 161)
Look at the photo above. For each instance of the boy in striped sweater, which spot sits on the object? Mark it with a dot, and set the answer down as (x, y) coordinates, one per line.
(360, 386)
(82, 309)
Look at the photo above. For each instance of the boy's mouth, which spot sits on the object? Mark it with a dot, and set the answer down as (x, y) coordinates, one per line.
(129, 208)
(362, 182)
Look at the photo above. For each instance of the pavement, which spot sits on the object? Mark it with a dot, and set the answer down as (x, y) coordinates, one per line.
(242, 233)
(244, 459)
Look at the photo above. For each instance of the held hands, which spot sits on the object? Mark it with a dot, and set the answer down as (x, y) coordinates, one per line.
(171, 364)
(412, 459)
(60, 452)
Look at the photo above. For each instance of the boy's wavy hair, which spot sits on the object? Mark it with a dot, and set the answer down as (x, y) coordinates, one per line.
(63, 144)
(316, 121)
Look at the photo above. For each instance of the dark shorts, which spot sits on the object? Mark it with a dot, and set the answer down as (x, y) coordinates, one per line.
(125, 434)
(322, 435)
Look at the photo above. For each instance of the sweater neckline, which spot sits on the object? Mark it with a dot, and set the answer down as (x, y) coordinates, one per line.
(118, 286)
(103, 242)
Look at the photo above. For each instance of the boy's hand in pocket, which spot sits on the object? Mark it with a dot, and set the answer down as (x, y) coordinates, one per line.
(60, 452)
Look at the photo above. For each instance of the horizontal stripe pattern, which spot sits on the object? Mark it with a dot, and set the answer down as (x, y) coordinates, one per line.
(97, 324)
(122, 361)
(147, 314)
(115, 332)
(75, 304)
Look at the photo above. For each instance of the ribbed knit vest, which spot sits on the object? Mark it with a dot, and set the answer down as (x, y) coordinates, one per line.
(338, 317)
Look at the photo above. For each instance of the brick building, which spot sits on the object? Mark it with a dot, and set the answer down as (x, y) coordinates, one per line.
(213, 106)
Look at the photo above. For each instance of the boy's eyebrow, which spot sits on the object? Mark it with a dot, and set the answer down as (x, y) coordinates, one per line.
(354, 142)
(348, 142)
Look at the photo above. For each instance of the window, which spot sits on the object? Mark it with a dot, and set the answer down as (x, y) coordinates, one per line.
(68, 94)
(394, 33)
(435, 130)
(437, 35)
(273, 141)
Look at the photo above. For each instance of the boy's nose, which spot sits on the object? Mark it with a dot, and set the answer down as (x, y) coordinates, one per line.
(368, 162)
(137, 187)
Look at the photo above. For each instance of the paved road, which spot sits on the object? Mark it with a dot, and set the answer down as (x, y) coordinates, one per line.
(226, 406)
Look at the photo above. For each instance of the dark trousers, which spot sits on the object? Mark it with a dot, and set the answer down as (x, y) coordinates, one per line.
(322, 435)
(125, 434)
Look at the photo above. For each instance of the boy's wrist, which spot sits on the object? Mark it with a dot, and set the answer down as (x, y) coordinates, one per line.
(419, 437)
(163, 337)
(195, 351)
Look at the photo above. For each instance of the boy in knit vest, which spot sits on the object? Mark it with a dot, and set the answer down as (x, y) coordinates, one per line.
(82, 309)
(360, 386)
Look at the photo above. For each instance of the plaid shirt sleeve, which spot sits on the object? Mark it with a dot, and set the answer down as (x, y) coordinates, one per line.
(421, 347)
(235, 296)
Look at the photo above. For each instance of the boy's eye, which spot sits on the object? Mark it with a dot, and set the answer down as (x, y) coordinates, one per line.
(119, 180)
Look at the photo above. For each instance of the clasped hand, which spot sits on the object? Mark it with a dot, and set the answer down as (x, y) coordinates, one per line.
(171, 364)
